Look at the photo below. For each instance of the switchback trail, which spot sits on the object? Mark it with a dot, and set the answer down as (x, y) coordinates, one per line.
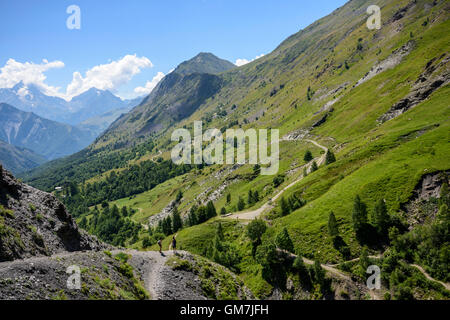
(253, 214)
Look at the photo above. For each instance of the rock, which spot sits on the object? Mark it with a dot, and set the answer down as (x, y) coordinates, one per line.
(38, 223)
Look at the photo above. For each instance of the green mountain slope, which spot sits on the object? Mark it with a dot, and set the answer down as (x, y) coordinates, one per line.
(16, 159)
(378, 99)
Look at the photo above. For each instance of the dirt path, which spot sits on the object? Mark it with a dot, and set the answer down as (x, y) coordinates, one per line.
(154, 262)
(250, 215)
(446, 285)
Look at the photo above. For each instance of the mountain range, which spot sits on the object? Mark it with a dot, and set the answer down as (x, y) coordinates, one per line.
(44, 137)
(26, 122)
(91, 103)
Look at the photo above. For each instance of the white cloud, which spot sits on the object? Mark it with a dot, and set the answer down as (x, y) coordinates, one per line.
(241, 62)
(108, 76)
(150, 85)
(13, 72)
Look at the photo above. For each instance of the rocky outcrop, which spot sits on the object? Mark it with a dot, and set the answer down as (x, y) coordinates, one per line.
(393, 60)
(422, 206)
(435, 75)
(35, 223)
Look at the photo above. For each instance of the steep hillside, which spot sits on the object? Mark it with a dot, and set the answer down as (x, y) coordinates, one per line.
(45, 137)
(35, 223)
(17, 159)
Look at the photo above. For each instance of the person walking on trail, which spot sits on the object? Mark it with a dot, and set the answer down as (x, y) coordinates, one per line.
(174, 244)
(160, 245)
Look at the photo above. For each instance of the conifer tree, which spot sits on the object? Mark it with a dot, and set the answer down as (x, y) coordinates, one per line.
(359, 214)
(332, 225)
(329, 157)
(308, 156)
(380, 217)
(284, 241)
(285, 209)
(314, 166)
(177, 223)
(240, 204)
(210, 210)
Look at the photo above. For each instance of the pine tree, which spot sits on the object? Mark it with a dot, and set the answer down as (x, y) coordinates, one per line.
(210, 210)
(219, 232)
(124, 211)
(228, 198)
(364, 261)
(332, 225)
(240, 204)
(329, 157)
(255, 230)
(359, 214)
(223, 211)
(167, 226)
(308, 156)
(192, 217)
(250, 197)
(444, 195)
(299, 266)
(314, 166)
(285, 209)
(179, 196)
(177, 223)
(255, 196)
(319, 273)
(284, 241)
(380, 217)
(201, 214)
(443, 214)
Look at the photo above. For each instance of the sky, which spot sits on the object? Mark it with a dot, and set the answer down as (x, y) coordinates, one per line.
(128, 46)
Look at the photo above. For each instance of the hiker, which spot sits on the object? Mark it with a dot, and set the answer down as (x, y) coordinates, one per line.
(160, 245)
(174, 244)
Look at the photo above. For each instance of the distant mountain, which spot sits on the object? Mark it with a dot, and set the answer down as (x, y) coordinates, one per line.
(89, 104)
(29, 98)
(17, 159)
(175, 97)
(45, 137)
(100, 123)
(93, 103)
(204, 62)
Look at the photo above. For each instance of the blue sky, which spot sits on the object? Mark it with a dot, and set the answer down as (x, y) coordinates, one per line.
(164, 32)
